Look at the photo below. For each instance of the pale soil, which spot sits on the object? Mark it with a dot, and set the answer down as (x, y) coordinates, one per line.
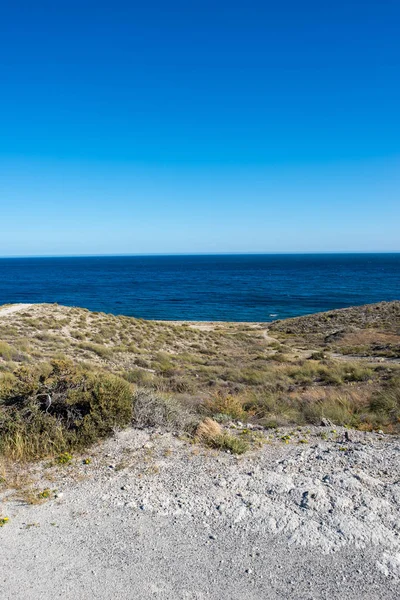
(13, 308)
(153, 516)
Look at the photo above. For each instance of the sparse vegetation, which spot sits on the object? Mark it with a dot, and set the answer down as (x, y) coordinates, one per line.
(104, 372)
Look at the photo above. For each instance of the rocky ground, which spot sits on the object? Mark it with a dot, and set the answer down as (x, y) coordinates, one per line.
(311, 513)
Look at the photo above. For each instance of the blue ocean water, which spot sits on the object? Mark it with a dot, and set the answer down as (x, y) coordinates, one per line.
(219, 287)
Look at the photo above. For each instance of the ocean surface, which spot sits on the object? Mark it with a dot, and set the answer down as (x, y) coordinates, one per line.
(204, 288)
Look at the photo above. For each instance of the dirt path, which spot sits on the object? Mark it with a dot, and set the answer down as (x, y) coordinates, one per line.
(268, 338)
(154, 517)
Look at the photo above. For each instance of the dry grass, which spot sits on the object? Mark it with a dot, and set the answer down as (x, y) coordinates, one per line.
(211, 433)
(221, 405)
(177, 373)
(208, 430)
(154, 409)
(34, 495)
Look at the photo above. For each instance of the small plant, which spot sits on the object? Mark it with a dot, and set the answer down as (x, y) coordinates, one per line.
(64, 459)
(229, 443)
(86, 461)
(3, 521)
(45, 495)
(34, 496)
(229, 405)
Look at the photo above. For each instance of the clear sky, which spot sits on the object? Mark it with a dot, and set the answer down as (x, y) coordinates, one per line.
(133, 127)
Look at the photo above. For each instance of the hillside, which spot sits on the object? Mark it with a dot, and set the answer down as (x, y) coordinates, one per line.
(372, 330)
(341, 366)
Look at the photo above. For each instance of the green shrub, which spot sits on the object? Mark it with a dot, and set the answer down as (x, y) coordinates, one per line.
(85, 406)
(340, 411)
(385, 405)
(139, 376)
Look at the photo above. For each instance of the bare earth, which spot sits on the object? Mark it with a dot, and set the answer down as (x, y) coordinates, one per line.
(13, 308)
(153, 516)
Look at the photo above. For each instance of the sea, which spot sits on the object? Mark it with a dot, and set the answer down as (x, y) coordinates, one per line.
(245, 287)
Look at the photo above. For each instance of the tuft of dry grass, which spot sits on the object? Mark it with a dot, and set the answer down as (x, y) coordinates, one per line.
(34, 496)
(211, 433)
(208, 430)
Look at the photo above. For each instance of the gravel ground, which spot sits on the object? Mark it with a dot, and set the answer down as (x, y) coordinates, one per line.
(313, 515)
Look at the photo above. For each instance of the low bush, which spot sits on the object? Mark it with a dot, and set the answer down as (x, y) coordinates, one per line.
(84, 407)
(385, 406)
(139, 376)
(8, 352)
(228, 442)
(98, 349)
(229, 405)
(154, 409)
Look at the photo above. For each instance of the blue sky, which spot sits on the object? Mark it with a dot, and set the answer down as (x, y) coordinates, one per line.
(199, 127)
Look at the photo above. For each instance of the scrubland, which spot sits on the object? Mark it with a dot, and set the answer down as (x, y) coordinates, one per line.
(103, 372)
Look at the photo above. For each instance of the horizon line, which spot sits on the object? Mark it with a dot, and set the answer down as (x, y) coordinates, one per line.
(148, 254)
